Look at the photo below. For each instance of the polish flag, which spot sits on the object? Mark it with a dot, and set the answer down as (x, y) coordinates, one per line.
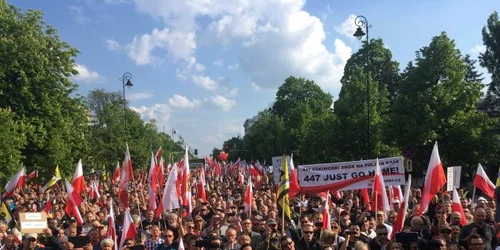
(400, 220)
(126, 175)
(395, 193)
(17, 181)
(294, 182)
(186, 188)
(170, 199)
(327, 224)
(116, 175)
(33, 174)
(129, 230)
(78, 181)
(73, 202)
(482, 182)
(94, 190)
(152, 184)
(456, 206)
(160, 169)
(201, 194)
(249, 197)
(380, 201)
(434, 180)
(158, 155)
(112, 225)
(366, 198)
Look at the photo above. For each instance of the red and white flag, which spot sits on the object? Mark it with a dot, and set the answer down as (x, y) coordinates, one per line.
(327, 218)
(160, 168)
(152, 183)
(126, 175)
(129, 230)
(400, 220)
(186, 188)
(482, 182)
(33, 174)
(456, 206)
(380, 202)
(17, 181)
(170, 198)
(395, 193)
(116, 175)
(94, 190)
(78, 180)
(294, 181)
(73, 202)
(249, 197)
(434, 180)
(201, 193)
(112, 225)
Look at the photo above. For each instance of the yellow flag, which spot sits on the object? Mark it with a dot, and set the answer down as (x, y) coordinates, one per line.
(5, 213)
(498, 178)
(52, 181)
(283, 190)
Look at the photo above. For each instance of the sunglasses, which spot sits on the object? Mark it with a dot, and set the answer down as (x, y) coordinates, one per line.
(308, 232)
(445, 231)
(382, 234)
(169, 236)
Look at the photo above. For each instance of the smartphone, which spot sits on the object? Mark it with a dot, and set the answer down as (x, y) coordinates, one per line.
(79, 241)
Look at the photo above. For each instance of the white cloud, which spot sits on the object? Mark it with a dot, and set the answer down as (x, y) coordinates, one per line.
(291, 40)
(177, 44)
(234, 91)
(77, 13)
(139, 96)
(233, 67)
(180, 101)
(218, 62)
(160, 112)
(348, 27)
(86, 75)
(480, 48)
(204, 82)
(222, 102)
(112, 44)
(255, 86)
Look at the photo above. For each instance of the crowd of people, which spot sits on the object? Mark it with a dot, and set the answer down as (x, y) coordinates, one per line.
(222, 222)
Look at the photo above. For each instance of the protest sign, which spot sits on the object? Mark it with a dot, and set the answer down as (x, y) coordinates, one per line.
(349, 175)
(453, 178)
(33, 222)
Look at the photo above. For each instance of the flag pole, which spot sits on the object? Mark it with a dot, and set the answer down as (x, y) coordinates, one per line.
(473, 196)
(283, 216)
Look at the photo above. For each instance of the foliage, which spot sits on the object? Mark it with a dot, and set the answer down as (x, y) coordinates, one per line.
(109, 132)
(437, 102)
(12, 141)
(490, 60)
(34, 71)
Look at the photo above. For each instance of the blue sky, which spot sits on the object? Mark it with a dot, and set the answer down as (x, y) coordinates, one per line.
(202, 67)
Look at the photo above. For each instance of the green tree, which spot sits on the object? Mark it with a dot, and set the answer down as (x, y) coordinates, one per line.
(12, 141)
(437, 102)
(490, 60)
(351, 109)
(35, 66)
(298, 102)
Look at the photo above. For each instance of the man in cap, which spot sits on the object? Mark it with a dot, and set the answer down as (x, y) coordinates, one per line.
(30, 242)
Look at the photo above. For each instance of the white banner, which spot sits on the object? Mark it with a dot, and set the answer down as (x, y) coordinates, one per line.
(349, 175)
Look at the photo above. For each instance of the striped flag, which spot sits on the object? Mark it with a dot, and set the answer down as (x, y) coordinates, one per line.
(283, 189)
(498, 178)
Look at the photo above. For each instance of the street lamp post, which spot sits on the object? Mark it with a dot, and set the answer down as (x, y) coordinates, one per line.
(126, 83)
(362, 22)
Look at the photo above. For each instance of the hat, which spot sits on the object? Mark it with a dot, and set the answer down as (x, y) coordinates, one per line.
(272, 222)
(395, 201)
(444, 227)
(30, 236)
(481, 199)
(380, 212)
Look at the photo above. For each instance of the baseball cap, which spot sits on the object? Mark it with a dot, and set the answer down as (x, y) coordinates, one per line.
(30, 236)
(272, 222)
